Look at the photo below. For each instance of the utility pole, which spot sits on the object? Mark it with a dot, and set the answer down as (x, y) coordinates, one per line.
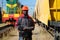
(1, 6)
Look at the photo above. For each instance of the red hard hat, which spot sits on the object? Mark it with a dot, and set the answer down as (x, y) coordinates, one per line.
(24, 8)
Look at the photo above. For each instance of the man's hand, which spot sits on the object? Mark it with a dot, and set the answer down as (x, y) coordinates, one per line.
(18, 30)
(24, 28)
(27, 28)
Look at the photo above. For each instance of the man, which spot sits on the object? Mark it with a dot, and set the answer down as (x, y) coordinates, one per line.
(25, 25)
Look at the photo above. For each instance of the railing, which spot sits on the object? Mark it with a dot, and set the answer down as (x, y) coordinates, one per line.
(5, 31)
(48, 29)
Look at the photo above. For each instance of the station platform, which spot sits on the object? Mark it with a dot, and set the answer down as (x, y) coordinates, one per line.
(39, 33)
(3, 24)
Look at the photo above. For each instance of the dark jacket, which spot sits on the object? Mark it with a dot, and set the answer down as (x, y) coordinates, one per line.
(25, 22)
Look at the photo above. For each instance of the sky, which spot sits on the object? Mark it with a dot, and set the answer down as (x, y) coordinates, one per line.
(29, 3)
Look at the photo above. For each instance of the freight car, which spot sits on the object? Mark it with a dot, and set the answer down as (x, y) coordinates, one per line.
(48, 12)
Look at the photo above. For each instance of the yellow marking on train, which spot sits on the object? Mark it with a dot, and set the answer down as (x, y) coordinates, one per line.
(11, 6)
(14, 5)
(5, 15)
(8, 5)
(16, 15)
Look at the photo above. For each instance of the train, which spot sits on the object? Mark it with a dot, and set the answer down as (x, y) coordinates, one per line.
(12, 13)
(48, 12)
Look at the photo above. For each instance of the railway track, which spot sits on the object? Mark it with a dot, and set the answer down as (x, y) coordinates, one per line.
(50, 30)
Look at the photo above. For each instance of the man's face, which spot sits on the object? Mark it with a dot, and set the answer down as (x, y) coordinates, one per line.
(25, 12)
